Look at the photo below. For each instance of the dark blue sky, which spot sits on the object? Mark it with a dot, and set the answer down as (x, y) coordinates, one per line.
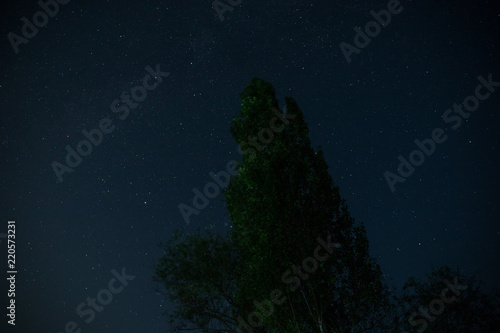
(122, 199)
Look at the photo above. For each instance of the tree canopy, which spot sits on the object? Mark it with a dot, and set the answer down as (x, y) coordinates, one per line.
(295, 259)
(280, 202)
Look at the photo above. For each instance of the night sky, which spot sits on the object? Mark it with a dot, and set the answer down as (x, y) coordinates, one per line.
(107, 216)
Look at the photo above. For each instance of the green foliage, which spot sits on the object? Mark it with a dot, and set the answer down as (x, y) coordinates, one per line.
(281, 200)
(197, 273)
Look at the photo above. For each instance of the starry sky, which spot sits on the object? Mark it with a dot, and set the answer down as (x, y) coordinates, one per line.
(107, 216)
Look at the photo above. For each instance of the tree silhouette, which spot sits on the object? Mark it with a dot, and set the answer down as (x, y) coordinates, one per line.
(281, 201)
(295, 260)
(447, 301)
(197, 273)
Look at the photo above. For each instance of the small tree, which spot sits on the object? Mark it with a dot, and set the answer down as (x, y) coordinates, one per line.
(197, 273)
(447, 301)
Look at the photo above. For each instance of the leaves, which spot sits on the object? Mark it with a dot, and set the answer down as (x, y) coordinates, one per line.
(197, 273)
(280, 202)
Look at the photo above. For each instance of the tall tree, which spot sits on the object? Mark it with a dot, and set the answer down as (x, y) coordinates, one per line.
(281, 201)
(295, 260)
